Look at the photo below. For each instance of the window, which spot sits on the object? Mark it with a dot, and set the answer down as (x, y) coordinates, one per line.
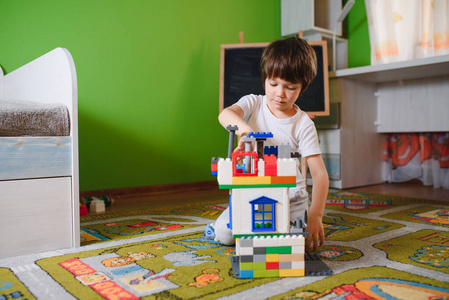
(263, 214)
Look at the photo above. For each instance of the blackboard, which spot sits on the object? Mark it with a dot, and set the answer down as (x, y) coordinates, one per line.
(240, 75)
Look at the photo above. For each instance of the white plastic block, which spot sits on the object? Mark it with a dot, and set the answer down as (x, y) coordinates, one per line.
(298, 264)
(259, 241)
(284, 241)
(246, 251)
(289, 240)
(301, 240)
(241, 209)
(271, 241)
(287, 166)
(224, 171)
(97, 206)
(261, 167)
(298, 249)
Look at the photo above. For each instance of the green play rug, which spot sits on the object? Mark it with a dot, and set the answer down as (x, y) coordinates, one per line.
(379, 247)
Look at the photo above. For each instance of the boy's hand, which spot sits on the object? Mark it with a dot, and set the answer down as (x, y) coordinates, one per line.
(241, 143)
(316, 232)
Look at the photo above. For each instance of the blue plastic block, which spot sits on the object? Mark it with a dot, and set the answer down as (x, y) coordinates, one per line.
(209, 231)
(214, 172)
(262, 135)
(246, 274)
(269, 150)
(240, 167)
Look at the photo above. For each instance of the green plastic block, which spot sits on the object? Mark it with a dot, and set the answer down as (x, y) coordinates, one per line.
(266, 273)
(255, 186)
(246, 266)
(279, 250)
(260, 265)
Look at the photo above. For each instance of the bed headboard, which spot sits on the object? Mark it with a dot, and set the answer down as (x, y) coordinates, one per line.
(50, 78)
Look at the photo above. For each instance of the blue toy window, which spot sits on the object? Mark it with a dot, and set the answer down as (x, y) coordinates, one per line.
(263, 214)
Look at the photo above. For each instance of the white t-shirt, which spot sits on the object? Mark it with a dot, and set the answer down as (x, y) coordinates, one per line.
(299, 131)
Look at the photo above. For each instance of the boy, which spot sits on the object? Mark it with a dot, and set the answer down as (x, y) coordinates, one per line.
(288, 66)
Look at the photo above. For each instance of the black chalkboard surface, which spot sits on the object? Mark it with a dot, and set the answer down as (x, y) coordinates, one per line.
(240, 75)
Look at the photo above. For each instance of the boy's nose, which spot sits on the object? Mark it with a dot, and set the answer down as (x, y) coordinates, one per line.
(280, 92)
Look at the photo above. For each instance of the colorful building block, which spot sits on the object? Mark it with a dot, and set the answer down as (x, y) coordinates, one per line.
(97, 206)
(266, 244)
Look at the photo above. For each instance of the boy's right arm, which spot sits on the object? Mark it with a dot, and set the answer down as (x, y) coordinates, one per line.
(233, 115)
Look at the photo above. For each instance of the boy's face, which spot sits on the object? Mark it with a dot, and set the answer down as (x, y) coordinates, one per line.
(281, 95)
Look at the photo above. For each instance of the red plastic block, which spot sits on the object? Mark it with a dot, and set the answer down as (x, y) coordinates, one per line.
(242, 154)
(83, 210)
(272, 265)
(271, 168)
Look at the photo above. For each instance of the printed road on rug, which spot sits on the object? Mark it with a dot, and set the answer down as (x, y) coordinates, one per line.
(378, 247)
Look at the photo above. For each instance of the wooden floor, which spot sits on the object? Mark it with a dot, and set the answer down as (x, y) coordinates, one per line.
(123, 203)
(412, 190)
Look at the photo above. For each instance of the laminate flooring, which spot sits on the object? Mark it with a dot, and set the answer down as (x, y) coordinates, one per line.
(124, 203)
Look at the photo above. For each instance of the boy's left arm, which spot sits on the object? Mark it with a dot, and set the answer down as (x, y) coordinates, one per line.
(320, 189)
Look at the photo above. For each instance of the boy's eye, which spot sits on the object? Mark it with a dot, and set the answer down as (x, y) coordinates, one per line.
(292, 88)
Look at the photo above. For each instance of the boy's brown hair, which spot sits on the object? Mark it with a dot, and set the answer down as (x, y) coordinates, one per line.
(291, 59)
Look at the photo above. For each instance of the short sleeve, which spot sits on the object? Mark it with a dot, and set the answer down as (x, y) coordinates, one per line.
(249, 104)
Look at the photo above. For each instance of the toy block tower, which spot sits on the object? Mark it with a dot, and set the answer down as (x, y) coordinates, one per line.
(266, 244)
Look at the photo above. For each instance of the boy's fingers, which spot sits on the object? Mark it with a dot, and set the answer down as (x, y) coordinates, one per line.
(313, 239)
(308, 240)
(315, 242)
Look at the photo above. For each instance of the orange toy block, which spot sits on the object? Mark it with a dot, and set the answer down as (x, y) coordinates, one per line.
(283, 179)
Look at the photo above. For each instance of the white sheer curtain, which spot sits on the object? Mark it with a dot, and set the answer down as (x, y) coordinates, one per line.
(407, 29)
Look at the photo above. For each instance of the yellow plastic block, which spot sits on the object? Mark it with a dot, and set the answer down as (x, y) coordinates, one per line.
(245, 180)
(272, 257)
(251, 180)
(264, 180)
(292, 273)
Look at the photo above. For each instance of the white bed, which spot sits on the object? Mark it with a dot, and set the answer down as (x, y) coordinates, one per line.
(39, 187)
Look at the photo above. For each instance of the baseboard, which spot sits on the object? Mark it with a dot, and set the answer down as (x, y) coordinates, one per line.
(151, 190)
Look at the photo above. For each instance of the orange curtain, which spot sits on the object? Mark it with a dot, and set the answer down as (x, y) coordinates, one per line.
(422, 156)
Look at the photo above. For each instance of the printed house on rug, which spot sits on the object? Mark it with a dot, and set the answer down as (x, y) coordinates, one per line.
(267, 244)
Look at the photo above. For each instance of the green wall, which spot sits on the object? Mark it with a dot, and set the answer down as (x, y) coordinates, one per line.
(356, 31)
(148, 77)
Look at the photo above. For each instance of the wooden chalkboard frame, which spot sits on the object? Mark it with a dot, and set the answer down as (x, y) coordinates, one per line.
(322, 74)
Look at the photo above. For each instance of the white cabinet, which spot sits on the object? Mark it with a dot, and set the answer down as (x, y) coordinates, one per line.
(34, 216)
(317, 19)
(410, 96)
(310, 15)
(419, 105)
(352, 153)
